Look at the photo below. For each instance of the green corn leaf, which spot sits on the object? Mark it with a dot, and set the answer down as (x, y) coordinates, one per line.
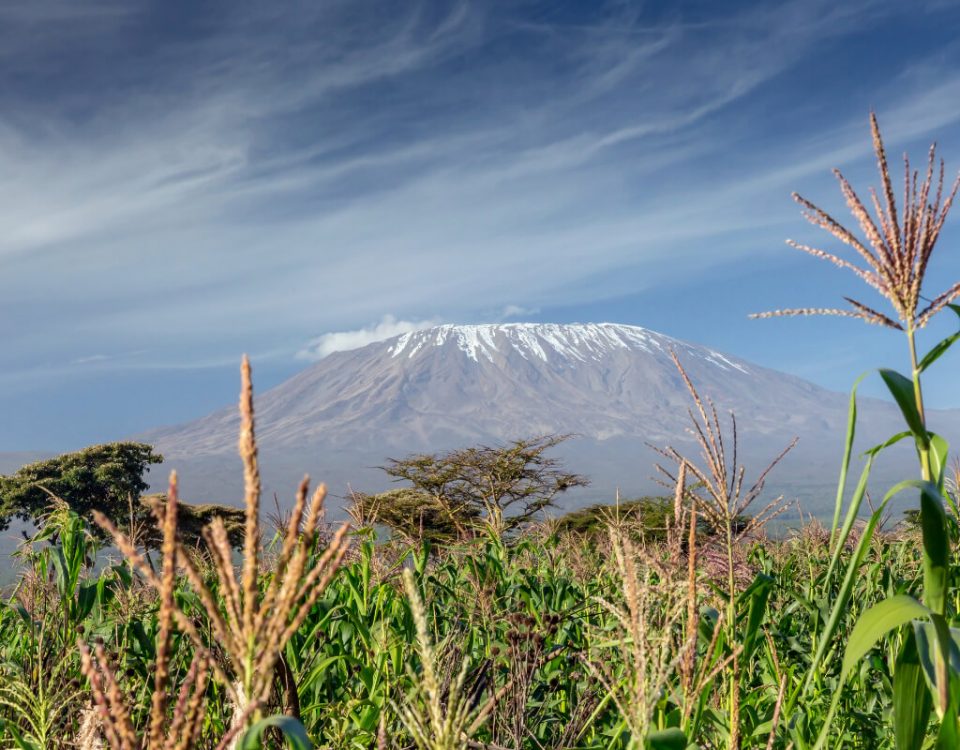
(709, 617)
(759, 595)
(948, 738)
(847, 450)
(18, 740)
(926, 637)
(852, 512)
(86, 598)
(846, 587)
(901, 389)
(912, 701)
(292, 729)
(876, 622)
(939, 454)
(940, 349)
(421, 556)
(825, 729)
(888, 442)
(936, 542)
(936, 547)
(667, 739)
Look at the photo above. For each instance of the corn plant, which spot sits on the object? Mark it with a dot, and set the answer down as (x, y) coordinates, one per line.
(896, 254)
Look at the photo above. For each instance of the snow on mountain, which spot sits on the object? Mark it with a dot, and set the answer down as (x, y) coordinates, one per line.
(574, 342)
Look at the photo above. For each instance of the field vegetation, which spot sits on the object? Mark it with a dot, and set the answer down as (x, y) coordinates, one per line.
(451, 614)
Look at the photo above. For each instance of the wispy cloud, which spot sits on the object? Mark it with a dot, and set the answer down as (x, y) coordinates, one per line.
(340, 341)
(129, 359)
(210, 191)
(91, 359)
(517, 311)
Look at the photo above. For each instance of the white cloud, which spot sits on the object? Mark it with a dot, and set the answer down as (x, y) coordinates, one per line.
(517, 311)
(93, 358)
(340, 341)
(128, 359)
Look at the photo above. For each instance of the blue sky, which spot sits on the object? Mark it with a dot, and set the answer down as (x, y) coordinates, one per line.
(187, 181)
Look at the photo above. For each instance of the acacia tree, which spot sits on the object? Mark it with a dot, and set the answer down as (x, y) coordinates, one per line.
(413, 514)
(503, 486)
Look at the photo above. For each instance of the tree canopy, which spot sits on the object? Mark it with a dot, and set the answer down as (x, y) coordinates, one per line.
(416, 515)
(100, 477)
(650, 515)
(109, 478)
(451, 493)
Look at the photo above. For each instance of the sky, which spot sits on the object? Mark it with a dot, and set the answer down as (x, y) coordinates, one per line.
(183, 182)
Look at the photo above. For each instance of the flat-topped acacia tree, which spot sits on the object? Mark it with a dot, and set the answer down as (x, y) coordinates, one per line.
(504, 487)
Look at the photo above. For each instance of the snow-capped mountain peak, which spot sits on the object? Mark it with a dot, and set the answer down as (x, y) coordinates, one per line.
(613, 386)
(574, 342)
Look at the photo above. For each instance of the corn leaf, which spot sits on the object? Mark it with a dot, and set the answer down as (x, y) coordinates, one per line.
(912, 701)
(292, 729)
(901, 388)
(847, 451)
(667, 739)
(941, 347)
(875, 623)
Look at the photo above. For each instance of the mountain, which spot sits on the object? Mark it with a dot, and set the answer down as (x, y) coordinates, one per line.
(614, 387)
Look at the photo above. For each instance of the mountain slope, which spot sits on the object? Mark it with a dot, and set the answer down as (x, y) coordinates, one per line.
(614, 386)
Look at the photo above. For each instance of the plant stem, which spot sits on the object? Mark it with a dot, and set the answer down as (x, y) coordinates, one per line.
(924, 451)
(734, 706)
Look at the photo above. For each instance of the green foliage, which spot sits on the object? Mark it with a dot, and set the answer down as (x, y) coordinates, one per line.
(110, 479)
(101, 477)
(650, 516)
(191, 521)
(897, 258)
(649, 519)
(293, 732)
(415, 515)
(524, 616)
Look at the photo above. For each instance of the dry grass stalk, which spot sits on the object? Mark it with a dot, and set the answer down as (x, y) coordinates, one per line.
(898, 248)
(778, 706)
(722, 497)
(434, 723)
(88, 735)
(953, 481)
(164, 732)
(646, 638)
(513, 717)
(723, 500)
(675, 531)
(688, 660)
(251, 625)
(382, 732)
(363, 509)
